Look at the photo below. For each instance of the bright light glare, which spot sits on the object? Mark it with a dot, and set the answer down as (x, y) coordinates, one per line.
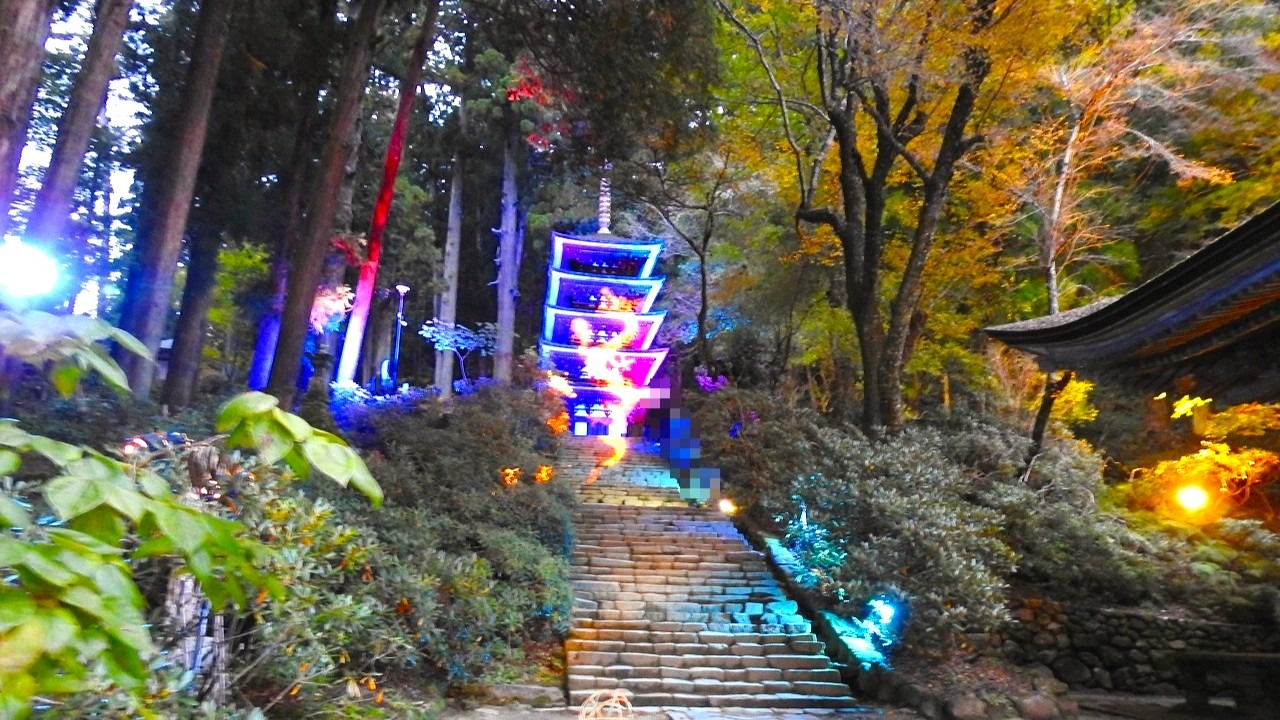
(1192, 497)
(25, 271)
(883, 610)
(727, 507)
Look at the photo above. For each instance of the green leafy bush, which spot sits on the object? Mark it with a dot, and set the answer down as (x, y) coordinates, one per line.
(499, 553)
(898, 511)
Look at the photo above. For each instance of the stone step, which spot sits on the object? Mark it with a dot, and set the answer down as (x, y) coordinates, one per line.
(588, 675)
(783, 700)
(673, 607)
(691, 646)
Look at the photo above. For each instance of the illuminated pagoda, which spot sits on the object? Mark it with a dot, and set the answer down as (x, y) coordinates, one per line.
(599, 324)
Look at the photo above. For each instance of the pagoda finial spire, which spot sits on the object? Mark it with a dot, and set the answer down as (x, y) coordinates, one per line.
(605, 206)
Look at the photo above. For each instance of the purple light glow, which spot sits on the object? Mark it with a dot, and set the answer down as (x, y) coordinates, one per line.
(585, 292)
(556, 324)
(581, 255)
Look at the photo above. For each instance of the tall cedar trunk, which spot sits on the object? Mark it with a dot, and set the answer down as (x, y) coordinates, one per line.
(508, 265)
(53, 201)
(335, 261)
(382, 208)
(307, 262)
(151, 306)
(447, 299)
(264, 347)
(24, 25)
(312, 76)
(188, 339)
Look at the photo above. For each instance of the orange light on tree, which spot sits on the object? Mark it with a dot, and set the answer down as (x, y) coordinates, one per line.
(558, 424)
(510, 476)
(544, 474)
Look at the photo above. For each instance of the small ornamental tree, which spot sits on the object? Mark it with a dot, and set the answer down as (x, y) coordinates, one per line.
(460, 340)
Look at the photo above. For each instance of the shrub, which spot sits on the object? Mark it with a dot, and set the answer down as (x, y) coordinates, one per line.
(899, 512)
(498, 552)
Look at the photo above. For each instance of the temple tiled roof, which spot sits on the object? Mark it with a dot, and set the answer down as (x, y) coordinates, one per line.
(1211, 322)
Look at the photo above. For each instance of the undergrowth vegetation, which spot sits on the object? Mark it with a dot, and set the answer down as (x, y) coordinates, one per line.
(458, 576)
(944, 515)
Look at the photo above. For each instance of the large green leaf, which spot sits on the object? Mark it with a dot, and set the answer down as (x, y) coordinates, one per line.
(364, 481)
(270, 439)
(16, 607)
(83, 542)
(331, 459)
(242, 406)
(154, 485)
(53, 573)
(298, 428)
(96, 358)
(180, 524)
(10, 461)
(102, 523)
(12, 550)
(95, 467)
(13, 514)
(115, 583)
(129, 342)
(12, 436)
(65, 376)
(87, 600)
(23, 646)
(56, 450)
(73, 495)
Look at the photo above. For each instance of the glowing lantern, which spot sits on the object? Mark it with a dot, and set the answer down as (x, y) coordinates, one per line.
(727, 507)
(1192, 498)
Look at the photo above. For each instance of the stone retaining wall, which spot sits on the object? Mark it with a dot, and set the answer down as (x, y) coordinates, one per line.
(1113, 649)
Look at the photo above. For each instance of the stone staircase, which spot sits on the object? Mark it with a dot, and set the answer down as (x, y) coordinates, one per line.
(673, 605)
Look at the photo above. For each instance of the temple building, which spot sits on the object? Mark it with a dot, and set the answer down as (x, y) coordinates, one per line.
(1209, 326)
(599, 325)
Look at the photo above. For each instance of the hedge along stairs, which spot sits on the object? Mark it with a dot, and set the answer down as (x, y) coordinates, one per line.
(672, 604)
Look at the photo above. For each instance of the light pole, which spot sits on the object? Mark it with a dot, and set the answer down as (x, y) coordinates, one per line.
(395, 349)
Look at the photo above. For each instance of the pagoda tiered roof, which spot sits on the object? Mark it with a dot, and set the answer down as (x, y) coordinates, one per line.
(638, 366)
(604, 254)
(1210, 324)
(626, 331)
(581, 291)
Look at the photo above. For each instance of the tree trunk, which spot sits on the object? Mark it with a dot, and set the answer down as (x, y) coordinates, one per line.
(188, 339)
(308, 261)
(23, 30)
(53, 201)
(1053, 387)
(508, 265)
(447, 299)
(336, 262)
(151, 307)
(382, 208)
(288, 236)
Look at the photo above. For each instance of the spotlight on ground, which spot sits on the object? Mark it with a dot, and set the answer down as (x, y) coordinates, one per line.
(727, 507)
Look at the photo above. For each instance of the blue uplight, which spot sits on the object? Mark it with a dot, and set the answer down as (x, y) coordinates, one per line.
(871, 640)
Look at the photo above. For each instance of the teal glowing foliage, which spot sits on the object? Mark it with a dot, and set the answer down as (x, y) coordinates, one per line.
(871, 639)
